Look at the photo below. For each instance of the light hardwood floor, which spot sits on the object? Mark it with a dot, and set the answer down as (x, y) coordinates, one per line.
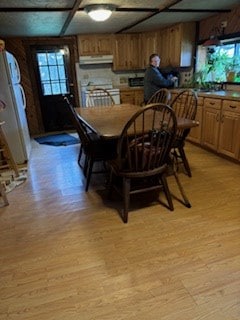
(66, 254)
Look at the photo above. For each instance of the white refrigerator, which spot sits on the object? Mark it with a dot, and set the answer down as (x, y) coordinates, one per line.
(13, 105)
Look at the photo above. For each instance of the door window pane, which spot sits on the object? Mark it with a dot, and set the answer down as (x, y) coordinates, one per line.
(52, 71)
(44, 73)
(51, 59)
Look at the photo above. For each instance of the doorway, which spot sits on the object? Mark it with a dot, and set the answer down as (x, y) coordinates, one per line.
(54, 80)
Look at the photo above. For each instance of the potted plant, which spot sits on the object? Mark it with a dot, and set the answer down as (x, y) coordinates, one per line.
(232, 68)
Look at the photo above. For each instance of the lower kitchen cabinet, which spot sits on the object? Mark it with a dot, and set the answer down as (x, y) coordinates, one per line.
(139, 97)
(195, 133)
(229, 136)
(211, 123)
(132, 96)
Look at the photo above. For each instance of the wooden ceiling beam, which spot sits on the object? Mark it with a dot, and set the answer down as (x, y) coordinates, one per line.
(167, 8)
(70, 16)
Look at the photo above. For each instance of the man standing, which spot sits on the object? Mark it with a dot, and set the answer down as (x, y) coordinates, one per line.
(153, 79)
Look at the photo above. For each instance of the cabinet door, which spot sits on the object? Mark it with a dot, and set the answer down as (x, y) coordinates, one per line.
(133, 46)
(127, 96)
(148, 46)
(211, 118)
(94, 44)
(86, 45)
(188, 31)
(104, 44)
(163, 47)
(139, 97)
(230, 129)
(126, 52)
(120, 53)
(174, 45)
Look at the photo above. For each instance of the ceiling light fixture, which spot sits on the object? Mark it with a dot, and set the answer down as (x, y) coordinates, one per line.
(100, 12)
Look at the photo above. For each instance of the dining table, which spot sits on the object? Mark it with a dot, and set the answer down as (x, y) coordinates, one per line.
(109, 121)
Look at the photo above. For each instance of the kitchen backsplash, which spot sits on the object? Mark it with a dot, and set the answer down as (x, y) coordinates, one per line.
(91, 74)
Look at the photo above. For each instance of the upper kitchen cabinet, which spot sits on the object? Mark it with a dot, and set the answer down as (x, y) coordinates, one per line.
(176, 45)
(95, 44)
(148, 47)
(126, 52)
(163, 47)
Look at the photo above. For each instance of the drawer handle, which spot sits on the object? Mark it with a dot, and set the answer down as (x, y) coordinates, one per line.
(233, 107)
(212, 103)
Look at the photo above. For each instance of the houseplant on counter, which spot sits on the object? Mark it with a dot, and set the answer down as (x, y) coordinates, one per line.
(219, 67)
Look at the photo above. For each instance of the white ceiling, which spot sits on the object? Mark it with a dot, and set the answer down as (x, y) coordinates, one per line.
(35, 18)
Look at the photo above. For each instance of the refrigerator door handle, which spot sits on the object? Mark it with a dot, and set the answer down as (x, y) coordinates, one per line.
(17, 70)
(13, 68)
(24, 103)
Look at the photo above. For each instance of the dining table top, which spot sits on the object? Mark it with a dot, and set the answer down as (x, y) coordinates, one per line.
(109, 121)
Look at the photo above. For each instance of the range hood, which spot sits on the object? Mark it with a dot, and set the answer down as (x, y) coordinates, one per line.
(95, 59)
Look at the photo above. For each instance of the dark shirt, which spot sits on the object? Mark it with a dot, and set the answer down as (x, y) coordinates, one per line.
(153, 81)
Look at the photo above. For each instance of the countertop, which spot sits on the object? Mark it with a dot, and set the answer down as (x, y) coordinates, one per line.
(125, 88)
(224, 94)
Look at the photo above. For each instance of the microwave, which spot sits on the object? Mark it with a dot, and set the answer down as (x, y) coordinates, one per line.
(136, 82)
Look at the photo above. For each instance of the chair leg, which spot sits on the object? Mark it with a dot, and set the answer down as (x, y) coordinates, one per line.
(88, 173)
(3, 195)
(167, 192)
(186, 201)
(126, 196)
(80, 156)
(185, 161)
(85, 165)
(110, 183)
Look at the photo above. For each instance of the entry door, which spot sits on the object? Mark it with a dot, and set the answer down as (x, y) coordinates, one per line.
(54, 81)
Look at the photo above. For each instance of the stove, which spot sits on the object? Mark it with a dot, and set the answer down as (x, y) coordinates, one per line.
(99, 83)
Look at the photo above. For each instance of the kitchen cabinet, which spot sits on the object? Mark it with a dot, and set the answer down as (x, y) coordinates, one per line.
(163, 47)
(139, 97)
(148, 47)
(95, 44)
(132, 96)
(176, 45)
(195, 133)
(229, 136)
(211, 122)
(126, 52)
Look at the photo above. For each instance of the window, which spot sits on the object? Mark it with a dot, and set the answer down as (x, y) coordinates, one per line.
(219, 64)
(52, 71)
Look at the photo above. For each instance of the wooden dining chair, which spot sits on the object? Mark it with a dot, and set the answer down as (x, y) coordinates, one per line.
(163, 95)
(99, 97)
(142, 154)
(94, 148)
(184, 106)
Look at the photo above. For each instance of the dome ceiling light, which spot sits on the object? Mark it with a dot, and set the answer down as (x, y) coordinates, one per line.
(99, 12)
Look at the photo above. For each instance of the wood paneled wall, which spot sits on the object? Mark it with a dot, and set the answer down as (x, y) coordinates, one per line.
(233, 23)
